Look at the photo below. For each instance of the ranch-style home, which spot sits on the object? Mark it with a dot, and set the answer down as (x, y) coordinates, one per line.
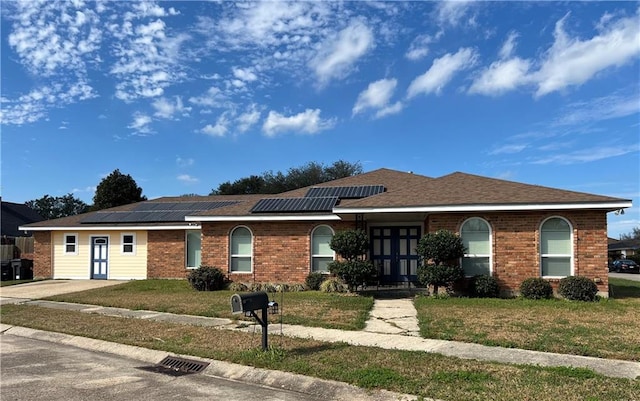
(511, 230)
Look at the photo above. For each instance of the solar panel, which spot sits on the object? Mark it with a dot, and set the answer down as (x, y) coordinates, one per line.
(306, 204)
(154, 212)
(353, 192)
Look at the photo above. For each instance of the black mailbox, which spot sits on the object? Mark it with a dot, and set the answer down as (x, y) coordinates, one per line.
(249, 302)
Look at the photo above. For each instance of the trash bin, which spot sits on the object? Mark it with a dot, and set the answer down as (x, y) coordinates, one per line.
(7, 271)
(22, 269)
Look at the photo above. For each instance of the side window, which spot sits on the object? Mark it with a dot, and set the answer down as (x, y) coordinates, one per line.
(129, 244)
(321, 252)
(193, 247)
(241, 250)
(476, 237)
(71, 244)
(556, 248)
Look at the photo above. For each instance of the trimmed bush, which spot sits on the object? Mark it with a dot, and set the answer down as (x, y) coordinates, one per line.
(314, 280)
(578, 288)
(485, 287)
(350, 244)
(354, 272)
(333, 284)
(536, 288)
(238, 287)
(439, 276)
(207, 278)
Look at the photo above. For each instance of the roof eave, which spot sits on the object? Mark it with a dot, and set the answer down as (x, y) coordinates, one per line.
(190, 226)
(609, 206)
(301, 217)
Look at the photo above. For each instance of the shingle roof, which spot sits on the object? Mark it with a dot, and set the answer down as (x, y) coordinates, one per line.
(14, 215)
(402, 190)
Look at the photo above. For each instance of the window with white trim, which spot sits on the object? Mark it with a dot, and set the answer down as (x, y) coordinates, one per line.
(193, 248)
(556, 248)
(241, 250)
(476, 237)
(321, 252)
(128, 244)
(71, 244)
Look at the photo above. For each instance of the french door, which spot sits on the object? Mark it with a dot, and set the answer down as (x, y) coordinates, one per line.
(393, 251)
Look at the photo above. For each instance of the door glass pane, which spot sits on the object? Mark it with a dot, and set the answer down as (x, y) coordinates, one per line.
(387, 267)
(475, 266)
(376, 247)
(413, 244)
(560, 267)
(387, 247)
(403, 267)
(376, 232)
(414, 231)
(403, 247)
(387, 232)
(403, 232)
(413, 267)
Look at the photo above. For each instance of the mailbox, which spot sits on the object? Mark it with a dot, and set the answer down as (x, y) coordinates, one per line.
(249, 302)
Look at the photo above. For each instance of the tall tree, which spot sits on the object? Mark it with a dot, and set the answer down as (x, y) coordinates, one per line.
(51, 207)
(296, 177)
(115, 190)
(634, 234)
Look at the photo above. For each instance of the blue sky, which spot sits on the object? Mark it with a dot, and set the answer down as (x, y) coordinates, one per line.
(186, 95)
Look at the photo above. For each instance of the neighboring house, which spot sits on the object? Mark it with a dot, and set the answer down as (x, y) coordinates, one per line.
(511, 230)
(621, 249)
(13, 216)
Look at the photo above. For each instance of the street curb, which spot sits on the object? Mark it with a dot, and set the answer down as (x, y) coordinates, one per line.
(320, 388)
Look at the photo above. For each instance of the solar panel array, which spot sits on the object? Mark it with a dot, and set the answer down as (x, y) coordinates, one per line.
(306, 204)
(155, 212)
(354, 192)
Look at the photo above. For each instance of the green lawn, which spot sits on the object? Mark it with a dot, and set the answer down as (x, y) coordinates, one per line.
(14, 282)
(419, 373)
(308, 308)
(608, 328)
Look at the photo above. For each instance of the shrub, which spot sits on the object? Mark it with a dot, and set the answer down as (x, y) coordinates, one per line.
(578, 288)
(314, 280)
(485, 287)
(333, 284)
(536, 288)
(238, 287)
(440, 247)
(206, 278)
(354, 272)
(439, 276)
(350, 244)
(297, 287)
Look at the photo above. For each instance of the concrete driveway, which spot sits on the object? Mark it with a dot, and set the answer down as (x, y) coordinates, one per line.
(41, 289)
(626, 276)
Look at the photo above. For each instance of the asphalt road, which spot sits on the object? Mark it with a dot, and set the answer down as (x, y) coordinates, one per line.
(37, 370)
(626, 276)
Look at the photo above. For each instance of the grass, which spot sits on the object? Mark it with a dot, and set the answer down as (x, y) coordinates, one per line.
(14, 282)
(608, 328)
(419, 373)
(308, 308)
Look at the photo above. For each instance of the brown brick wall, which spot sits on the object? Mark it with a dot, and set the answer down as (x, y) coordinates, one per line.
(281, 250)
(516, 244)
(42, 251)
(166, 254)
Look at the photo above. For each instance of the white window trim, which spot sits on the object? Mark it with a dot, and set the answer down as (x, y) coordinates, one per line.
(134, 244)
(333, 253)
(553, 255)
(75, 245)
(233, 255)
(186, 249)
(480, 255)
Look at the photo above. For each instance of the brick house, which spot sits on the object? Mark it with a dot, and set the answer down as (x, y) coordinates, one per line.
(511, 231)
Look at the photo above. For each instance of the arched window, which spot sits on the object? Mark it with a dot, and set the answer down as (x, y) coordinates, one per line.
(241, 250)
(321, 252)
(556, 248)
(476, 237)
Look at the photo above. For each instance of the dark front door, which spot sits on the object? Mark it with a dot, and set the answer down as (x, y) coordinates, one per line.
(99, 257)
(393, 252)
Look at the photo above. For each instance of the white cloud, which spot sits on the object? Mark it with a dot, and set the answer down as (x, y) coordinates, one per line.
(506, 51)
(246, 74)
(441, 72)
(389, 110)
(337, 55)
(588, 155)
(419, 47)
(220, 128)
(165, 108)
(248, 119)
(508, 149)
(214, 97)
(602, 108)
(501, 76)
(184, 162)
(187, 179)
(140, 124)
(451, 12)
(377, 95)
(308, 122)
(572, 61)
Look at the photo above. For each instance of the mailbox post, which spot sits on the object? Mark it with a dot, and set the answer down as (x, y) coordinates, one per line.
(249, 304)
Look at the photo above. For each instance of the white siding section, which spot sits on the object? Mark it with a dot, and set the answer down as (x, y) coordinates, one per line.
(120, 267)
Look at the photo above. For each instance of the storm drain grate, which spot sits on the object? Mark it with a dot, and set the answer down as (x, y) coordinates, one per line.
(175, 366)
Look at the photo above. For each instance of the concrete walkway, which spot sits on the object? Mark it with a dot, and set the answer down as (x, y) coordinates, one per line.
(404, 340)
(393, 316)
